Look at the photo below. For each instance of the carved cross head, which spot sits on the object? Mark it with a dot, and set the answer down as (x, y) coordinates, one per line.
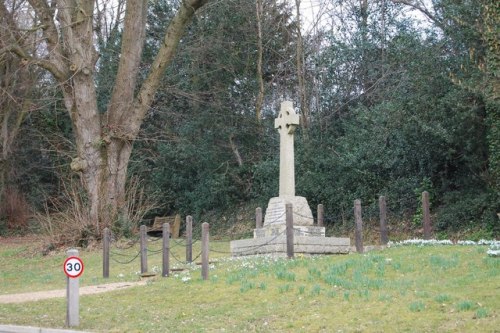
(287, 119)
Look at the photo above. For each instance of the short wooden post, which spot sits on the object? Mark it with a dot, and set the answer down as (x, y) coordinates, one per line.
(204, 250)
(289, 230)
(72, 296)
(426, 215)
(189, 238)
(384, 237)
(177, 227)
(144, 249)
(321, 215)
(258, 218)
(359, 226)
(165, 270)
(106, 238)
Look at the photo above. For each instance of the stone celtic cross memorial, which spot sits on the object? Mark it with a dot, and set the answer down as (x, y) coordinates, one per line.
(271, 238)
(286, 123)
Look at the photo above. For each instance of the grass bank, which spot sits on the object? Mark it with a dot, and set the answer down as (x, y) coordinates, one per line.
(404, 289)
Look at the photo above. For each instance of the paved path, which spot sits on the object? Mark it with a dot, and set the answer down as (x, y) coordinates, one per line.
(41, 295)
(30, 329)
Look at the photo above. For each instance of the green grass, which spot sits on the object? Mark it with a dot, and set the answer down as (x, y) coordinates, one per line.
(405, 289)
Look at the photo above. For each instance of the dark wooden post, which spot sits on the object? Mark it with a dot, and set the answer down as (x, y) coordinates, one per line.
(321, 215)
(359, 226)
(106, 238)
(165, 271)
(258, 218)
(189, 238)
(289, 230)
(384, 237)
(426, 215)
(144, 250)
(204, 250)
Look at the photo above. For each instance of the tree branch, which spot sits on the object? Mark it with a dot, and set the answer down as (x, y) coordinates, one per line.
(421, 8)
(45, 64)
(164, 57)
(131, 51)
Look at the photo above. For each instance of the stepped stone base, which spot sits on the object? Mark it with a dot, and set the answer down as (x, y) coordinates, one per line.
(302, 245)
(298, 230)
(307, 238)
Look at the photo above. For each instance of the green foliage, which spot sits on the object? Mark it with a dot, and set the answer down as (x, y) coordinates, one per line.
(465, 305)
(482, 313)
(441, 298)
(467, 209)
(416, 306)
(395, 110)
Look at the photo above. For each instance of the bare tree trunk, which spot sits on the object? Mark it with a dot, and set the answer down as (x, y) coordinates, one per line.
(235, 150)
(104, 143)
(364, 39)
(304, 108)
(260, 52)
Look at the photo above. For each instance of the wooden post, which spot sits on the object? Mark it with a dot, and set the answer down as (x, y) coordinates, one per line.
(72, 296)
(204, 250)
(189, 238)
(289, 231)
(177, 227)
(359, 226)
(165, 270)
(321, 215)
(258, 218)
(384, 237)
(144, 250)
(426, 215)
(105, 253)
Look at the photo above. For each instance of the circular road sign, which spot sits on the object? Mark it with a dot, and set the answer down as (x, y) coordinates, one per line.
(73, 267)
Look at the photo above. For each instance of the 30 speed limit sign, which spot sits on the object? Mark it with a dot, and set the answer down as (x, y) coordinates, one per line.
(73, 267)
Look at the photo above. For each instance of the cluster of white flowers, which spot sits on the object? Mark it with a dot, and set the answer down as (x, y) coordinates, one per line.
(420, 242)
(494, 250)
(184, 276)
(493, 253)
(479, 242)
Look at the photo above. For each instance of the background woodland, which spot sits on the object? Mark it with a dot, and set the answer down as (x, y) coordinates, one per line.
(395, 97)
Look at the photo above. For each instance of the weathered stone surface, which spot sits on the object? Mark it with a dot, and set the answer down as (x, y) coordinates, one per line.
(275, 212)
(286, 123)
(302, 245)
(277, 230)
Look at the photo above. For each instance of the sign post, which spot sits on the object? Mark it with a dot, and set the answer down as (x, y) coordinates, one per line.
(73, 268)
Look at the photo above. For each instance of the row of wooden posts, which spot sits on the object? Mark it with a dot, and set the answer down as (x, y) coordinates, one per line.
(384, 234)
(384, 237)
(143, 251)
(358, 235)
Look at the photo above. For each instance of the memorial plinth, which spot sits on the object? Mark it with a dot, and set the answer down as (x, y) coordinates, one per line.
(271, 238)
(275, 212)
(302, 245)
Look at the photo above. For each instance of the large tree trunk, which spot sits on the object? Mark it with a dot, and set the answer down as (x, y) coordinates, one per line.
(104, 142)
(126, 111)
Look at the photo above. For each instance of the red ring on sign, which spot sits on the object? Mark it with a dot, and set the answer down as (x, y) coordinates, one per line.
(79, 273)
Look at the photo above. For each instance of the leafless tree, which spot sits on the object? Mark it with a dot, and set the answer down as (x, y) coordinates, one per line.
(67, 29)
